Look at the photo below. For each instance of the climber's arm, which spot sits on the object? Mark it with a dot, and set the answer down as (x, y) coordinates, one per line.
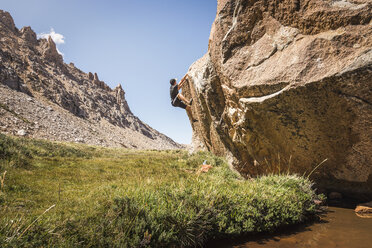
(180, 85)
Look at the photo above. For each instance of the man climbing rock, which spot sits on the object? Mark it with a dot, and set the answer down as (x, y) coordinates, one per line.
(177, 99)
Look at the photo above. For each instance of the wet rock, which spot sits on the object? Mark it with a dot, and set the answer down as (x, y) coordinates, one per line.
(364, 210)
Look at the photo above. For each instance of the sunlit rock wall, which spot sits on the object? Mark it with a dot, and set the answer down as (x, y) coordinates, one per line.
(289, 82)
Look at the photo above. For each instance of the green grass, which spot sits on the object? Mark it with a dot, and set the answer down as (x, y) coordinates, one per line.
(68, 195)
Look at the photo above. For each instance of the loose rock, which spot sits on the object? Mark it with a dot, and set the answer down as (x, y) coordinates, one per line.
(21, 132)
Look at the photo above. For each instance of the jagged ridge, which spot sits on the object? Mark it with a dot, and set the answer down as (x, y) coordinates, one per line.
(35, 68)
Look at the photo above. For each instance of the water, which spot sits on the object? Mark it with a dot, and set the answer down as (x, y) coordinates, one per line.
(339, 227)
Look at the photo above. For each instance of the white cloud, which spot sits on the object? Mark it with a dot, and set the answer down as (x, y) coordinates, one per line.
(56, 37)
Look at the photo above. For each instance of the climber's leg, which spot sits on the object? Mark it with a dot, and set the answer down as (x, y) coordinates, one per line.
(182, 98)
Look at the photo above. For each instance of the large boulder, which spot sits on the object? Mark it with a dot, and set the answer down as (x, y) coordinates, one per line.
(287, 85)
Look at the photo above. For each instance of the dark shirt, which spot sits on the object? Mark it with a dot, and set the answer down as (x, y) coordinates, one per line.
(173, 91)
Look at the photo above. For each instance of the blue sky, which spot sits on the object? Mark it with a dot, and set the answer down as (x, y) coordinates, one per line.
(138, 43)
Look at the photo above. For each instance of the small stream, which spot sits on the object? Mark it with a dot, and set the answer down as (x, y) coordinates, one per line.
(338, 227)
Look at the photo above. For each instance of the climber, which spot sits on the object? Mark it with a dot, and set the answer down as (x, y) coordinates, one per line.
(177, 99)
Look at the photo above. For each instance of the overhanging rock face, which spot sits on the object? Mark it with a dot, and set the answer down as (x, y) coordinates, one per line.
(289, 82)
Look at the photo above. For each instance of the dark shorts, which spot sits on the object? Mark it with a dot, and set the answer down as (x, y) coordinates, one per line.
(178, 103)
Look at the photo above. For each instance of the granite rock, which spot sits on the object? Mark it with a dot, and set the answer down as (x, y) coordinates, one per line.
(289, 82)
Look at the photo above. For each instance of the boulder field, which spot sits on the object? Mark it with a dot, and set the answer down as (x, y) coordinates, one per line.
(286, 85)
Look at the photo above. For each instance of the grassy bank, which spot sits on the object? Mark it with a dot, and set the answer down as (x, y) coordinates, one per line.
(65, 195)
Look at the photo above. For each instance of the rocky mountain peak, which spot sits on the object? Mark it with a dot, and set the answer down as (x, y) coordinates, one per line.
(7, 20)
(119, 94)
(28, 35)
(120, 98)
(42, 97)
(119, 90)
(99, 83)
(50, 52)
(95, 78)
(90, 76)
